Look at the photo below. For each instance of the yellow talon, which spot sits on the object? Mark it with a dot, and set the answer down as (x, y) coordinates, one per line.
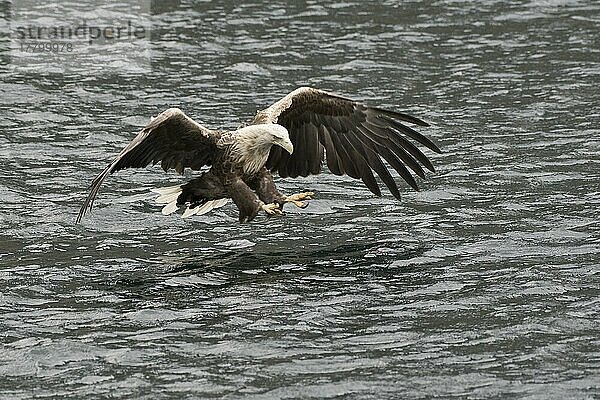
(297, 198)
(272, 209)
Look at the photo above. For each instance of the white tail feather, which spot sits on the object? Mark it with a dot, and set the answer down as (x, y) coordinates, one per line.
(189, 212)
(205, 208)
(220, 203)
(170, 208)
(169, 196)
(208, 207)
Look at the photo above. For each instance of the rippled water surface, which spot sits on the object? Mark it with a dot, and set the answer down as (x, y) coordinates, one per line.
(485, 284)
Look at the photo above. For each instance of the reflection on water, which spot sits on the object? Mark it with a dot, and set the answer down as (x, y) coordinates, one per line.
(355, 254)
(482, 285)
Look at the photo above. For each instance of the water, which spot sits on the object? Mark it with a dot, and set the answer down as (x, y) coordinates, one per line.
(482, 285)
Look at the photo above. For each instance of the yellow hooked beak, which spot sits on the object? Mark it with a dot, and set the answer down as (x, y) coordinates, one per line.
(287, 146)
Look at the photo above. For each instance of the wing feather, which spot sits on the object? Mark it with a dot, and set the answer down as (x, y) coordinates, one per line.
(172, 138)
(373, 150)
(403, 148)
(344, 150)
(413, 134)
(351, 137)
(333, 161)
(363, 164)
(377, 165)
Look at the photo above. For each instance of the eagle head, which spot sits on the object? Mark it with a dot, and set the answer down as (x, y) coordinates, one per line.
(280, 137)
(253, 143)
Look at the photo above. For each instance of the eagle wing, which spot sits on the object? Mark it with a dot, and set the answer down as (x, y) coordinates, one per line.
(172, 138)
(354, 136)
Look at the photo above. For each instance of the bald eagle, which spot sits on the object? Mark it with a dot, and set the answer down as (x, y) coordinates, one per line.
(292, 137)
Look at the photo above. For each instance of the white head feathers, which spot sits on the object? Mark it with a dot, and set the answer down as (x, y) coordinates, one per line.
(253, 143)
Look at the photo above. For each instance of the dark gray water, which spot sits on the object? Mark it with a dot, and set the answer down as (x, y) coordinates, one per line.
(483, 285)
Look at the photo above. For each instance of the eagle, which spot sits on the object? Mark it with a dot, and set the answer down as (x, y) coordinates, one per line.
(293, 137)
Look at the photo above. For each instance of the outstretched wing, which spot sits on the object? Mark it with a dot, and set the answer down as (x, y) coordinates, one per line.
(354, 136)
(172, 138)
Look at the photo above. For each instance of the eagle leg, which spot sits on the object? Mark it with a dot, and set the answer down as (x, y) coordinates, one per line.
(265, 188)
(247, 202)
(297, 199)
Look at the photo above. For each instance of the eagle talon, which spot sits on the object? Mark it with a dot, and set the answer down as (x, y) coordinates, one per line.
(297, 198)
(272, 209)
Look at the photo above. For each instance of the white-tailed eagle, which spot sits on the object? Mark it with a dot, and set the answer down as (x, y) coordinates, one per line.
(293, 137)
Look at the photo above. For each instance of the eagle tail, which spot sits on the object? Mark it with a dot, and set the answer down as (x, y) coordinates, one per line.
(205, 208)
(169, 195)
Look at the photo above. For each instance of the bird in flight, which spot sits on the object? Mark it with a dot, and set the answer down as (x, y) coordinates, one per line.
(292, 137)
